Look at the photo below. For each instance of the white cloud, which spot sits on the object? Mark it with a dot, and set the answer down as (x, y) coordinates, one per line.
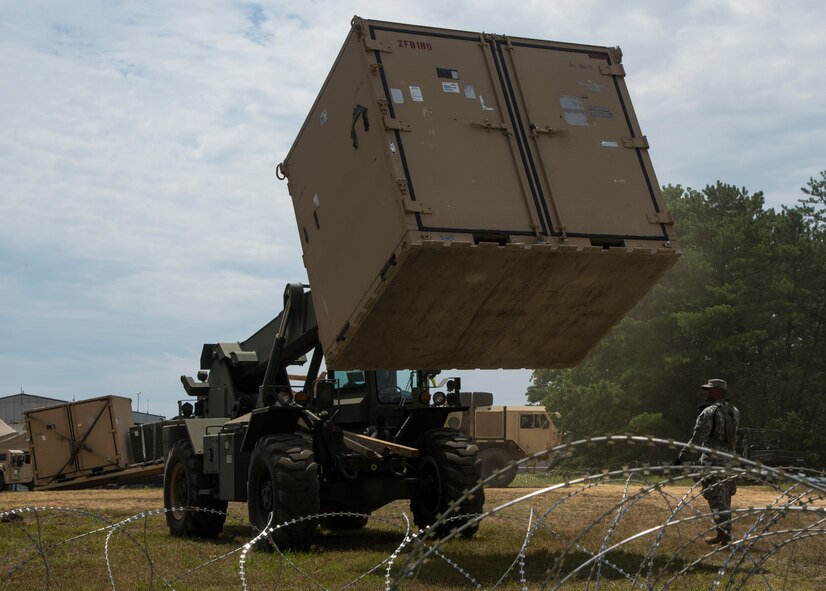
(138, 145)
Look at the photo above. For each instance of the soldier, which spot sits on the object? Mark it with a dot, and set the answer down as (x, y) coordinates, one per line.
(716, 428)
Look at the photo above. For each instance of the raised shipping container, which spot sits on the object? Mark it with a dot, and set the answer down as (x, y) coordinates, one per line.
(467, 200)
(81, 438)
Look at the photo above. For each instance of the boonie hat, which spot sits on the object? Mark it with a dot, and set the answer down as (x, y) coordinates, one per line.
(715, 383)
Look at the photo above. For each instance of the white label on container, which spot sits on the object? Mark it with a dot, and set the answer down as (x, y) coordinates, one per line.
(607, 144)
(397, 95)
(315, 200)
(392, 147)
(573, 110)
(322, 119)
(416, 94)
(451, 87)
(470, 92)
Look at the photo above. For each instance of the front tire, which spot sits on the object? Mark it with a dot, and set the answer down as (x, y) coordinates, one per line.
(283, 480)
(183, 483)
(449, 464)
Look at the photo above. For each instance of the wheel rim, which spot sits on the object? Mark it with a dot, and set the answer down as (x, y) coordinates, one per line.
(265, 494)
(432, 497)
(178, 491)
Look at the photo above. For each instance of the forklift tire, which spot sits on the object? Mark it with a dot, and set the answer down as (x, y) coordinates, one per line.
(343, 522)
(494, 459)
(184, 485)
(448, 461)
(283, 480)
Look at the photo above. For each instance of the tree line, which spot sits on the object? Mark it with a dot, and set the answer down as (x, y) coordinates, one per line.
(746, 303)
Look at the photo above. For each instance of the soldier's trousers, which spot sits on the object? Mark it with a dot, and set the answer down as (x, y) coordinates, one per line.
(717, 491)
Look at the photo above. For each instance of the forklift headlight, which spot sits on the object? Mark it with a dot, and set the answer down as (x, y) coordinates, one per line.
(424, 397)
(439, 398)
(453, 399)
(285, 398)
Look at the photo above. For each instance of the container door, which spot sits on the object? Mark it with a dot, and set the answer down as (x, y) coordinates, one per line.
(93, 425)
(51, 432)
(463, 168)
(588, 152)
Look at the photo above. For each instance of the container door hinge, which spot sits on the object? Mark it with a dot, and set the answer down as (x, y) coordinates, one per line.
(547, 130)
(411, 206)
(402, 183)
(640, 143)
(487, 124)
(660, 217)
(397, 124)
(375, 45)
(612, 70)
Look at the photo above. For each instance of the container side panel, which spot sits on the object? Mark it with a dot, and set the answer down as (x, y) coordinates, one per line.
(459, 152)
(578, 122)
(346, 198)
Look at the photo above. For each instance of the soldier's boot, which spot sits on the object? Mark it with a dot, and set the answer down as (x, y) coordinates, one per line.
(723, 535)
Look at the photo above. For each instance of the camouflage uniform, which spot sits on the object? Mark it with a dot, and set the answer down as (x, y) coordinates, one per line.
(716, 428)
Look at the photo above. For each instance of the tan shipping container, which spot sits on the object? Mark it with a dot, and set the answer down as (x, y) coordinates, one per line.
(473, 201)
(79, 438)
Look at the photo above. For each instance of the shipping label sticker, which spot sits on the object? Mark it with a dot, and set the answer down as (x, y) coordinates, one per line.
(601, 112)
(322, 119)
(592, 86)
(397, 95)
(470, 92)
(449, 73)
(573, 110)
(452, 87)
(608, 144)
(416, 94)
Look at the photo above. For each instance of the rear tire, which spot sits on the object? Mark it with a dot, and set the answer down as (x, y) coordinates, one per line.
(283, 480)
(494, 459)
(448, 461)
(183, 483)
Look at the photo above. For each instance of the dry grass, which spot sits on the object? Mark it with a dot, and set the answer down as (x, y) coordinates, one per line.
(143, 556)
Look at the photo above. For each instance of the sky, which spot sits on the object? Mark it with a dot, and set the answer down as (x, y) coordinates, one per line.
(140, 213)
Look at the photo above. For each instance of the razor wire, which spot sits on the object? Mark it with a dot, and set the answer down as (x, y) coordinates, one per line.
(669, 548)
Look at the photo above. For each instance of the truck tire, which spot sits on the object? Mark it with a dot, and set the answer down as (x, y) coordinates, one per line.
(2, 482)
(449, 463)
(184, 485)
(494, 459)
(283, 480)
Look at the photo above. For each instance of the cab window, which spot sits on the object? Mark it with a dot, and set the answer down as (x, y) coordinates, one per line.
(396, 387)
(349, 379)
(534, 421)
(3, 457)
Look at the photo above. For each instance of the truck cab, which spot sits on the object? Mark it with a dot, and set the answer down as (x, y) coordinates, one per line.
(15, 468)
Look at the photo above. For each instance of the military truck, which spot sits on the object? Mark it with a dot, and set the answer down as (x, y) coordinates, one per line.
(15, 459)
(351, 441)
(15, 468)
(504, 434)
(765, 446)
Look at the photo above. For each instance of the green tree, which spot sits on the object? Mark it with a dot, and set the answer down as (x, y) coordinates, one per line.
(747, 302)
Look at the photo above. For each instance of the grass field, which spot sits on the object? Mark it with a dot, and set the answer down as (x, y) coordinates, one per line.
(76, 547)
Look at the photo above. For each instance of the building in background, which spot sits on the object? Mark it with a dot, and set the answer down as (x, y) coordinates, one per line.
(12, 409)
